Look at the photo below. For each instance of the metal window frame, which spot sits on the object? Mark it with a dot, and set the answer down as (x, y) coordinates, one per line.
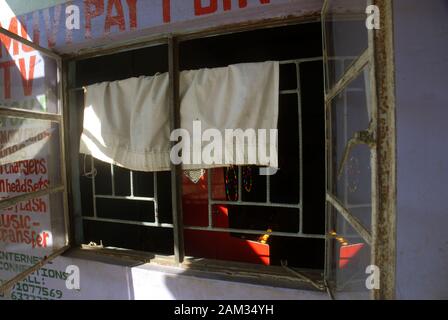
(176, 170)
(211, 202)
(131, 197)
(384, 226)
(59, 119)
(379, 59)
(383, 48)
(268, 203)
(331, 92)
(173, 41)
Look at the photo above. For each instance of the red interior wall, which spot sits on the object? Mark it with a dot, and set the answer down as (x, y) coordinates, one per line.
(209, 244)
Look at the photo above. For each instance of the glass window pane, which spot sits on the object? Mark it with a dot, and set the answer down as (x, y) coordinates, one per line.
(352, 257)
(29, 162)
(346, 36)
(30, 231)
(351, 166)
(28, 79)
(29, 155)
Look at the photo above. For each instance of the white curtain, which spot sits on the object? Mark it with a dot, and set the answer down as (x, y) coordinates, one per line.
(126, 122)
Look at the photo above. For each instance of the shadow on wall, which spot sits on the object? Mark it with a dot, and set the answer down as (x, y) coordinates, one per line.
(107, 278)
(175, 284)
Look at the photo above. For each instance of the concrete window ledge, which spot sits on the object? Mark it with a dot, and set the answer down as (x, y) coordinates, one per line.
(109, 273)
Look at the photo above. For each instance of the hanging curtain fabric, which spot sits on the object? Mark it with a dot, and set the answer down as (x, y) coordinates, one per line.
(126, 122)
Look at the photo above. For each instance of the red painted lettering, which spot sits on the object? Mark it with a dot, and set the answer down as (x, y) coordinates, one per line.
(132, 5)
(92, 9)
(227, 4)
(45, 236)
(199, 9)
(213, 6)
(27, 79)
(7, 41)
(117, 20)
(6, 77)
(166, 11)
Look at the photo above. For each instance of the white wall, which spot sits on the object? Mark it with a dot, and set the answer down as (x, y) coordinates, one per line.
(112, 281)
(421, 50)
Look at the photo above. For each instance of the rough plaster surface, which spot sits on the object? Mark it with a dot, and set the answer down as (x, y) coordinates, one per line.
(421, 51)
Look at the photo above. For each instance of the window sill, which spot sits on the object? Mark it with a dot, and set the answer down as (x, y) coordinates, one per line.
(273, 276)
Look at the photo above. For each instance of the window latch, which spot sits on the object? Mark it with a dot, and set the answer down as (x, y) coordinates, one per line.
(361, 137)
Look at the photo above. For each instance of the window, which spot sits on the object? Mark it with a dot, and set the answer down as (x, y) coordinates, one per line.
(242, 205)
(360, 150)
(114, 200)
(330, 207)
(33, 193)
(228, 211)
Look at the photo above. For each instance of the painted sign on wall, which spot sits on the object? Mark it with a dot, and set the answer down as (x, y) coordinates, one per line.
(80, 21)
